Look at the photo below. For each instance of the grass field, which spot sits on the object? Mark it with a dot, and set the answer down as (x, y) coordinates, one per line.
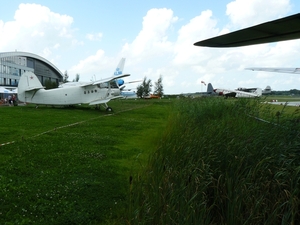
(72, 165)
(180, 161)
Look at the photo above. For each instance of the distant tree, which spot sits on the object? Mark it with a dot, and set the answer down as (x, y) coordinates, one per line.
(66, 77)
(144, 88)
(158, 88)
(50, 84)
(295, 91)
(77, 78)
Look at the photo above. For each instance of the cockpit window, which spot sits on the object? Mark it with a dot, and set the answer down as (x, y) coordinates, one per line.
(113, 84)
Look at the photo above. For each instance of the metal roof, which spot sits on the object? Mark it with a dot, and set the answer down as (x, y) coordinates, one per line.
(27, 54)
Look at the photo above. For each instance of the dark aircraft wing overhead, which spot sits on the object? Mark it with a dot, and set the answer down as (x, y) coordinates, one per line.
(283, 29)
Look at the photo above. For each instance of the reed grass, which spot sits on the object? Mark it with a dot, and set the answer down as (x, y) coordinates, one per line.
(219, 163)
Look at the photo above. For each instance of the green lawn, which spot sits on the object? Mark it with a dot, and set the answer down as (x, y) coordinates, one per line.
(184, 161)
(73, 165)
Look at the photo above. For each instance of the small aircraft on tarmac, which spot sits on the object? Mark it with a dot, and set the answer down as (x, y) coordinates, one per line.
(30, 90)
(267, 90)
(238, 93)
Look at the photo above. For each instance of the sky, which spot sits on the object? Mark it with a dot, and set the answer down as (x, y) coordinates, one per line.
(156, 37)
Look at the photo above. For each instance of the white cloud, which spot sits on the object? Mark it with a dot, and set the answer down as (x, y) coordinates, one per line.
(243, 13)
(199, 27)
(153, 38)
(94, 37)
(34, 27)
(95, 67)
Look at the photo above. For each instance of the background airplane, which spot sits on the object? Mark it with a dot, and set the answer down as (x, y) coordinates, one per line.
(267, 90)
(238, 93)
(30, 90)
(126, 93)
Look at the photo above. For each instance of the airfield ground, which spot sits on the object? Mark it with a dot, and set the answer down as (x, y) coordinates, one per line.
(150, 161)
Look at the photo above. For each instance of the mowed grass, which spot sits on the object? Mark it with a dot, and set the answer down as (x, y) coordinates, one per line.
(74, 165)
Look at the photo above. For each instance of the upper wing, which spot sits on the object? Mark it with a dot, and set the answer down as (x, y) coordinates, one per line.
(279, 70)
(84, 84)
(283, 29)
(107, 79)
(246, 89)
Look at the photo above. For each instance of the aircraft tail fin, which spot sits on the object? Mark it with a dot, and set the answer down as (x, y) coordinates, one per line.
(28, 82)
(267, 90)
(210, 88)
(120, 67)
(258, 92)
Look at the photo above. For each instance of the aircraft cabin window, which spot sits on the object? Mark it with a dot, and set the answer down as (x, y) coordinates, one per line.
(84, 92)
(103, 85)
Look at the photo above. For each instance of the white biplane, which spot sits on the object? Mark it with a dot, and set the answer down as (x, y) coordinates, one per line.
(30, 90)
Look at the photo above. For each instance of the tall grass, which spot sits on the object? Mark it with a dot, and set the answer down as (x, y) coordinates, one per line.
(217, 163)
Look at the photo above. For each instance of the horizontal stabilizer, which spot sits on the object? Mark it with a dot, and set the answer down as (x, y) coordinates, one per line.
(34, 88)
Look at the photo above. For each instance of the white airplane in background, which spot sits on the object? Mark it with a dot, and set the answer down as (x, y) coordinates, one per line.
(30, 90)
(267, 90)
(238, 93)
(126, 93)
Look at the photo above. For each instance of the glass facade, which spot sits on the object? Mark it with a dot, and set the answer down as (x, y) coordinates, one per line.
(14, 64)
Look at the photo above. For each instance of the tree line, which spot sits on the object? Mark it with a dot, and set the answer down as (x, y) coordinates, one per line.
(145, 88)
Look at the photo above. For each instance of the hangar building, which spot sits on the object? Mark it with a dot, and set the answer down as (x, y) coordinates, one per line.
(14, 64)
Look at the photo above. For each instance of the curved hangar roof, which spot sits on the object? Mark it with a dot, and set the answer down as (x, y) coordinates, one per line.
(34, 56)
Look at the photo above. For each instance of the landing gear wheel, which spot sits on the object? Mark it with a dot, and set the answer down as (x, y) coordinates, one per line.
(109, 109)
